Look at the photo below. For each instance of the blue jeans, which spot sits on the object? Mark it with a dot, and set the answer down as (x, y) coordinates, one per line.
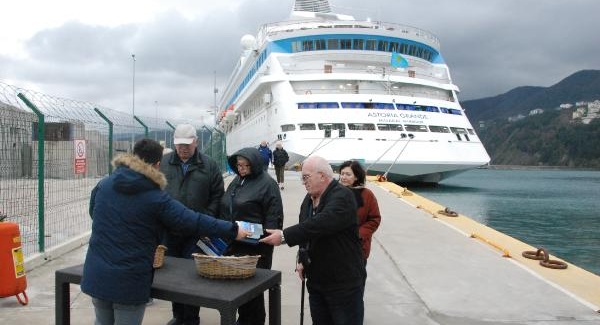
(109, 313)
(342, 307)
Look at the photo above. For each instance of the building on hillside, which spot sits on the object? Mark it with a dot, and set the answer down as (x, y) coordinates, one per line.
(536, 111)
(566, 106)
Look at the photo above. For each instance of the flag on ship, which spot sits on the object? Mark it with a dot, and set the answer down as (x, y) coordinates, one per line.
(398, 61)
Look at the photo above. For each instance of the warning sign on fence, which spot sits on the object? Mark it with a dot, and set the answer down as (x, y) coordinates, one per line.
(80, 163)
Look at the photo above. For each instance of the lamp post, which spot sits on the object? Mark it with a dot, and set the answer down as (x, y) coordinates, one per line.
(156, 110)
(133, 106)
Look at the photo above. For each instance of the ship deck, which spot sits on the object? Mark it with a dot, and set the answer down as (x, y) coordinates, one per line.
(425, 268)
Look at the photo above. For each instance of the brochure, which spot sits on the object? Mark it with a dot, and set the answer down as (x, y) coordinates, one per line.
(212, 246)
(255, 229)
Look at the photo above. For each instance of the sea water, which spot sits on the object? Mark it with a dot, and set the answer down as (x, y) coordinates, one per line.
(555, 209)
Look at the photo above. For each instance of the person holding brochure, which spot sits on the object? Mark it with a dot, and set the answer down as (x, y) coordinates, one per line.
(253, 200)
(129, 210)
(328, 232)
(195, 180)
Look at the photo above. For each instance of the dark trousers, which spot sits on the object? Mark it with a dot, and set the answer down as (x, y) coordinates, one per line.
(341, 307)
(253, 312)
(178, 246)
(279, 170)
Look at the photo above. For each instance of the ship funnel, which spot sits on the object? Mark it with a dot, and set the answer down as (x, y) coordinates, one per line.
(321, 6)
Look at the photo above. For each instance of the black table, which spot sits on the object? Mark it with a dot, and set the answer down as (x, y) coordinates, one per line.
(178, 281)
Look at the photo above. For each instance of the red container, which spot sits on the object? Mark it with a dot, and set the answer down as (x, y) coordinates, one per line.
(13, 281)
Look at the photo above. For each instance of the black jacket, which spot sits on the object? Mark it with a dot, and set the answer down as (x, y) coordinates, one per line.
(202, 186)
(256, 197)
(280, 157)
(331, 236)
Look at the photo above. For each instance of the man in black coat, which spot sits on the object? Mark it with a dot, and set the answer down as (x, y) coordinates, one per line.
(195, 180)
(328, 231)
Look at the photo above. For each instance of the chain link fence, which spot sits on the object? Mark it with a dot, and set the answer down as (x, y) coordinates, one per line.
(54, 150)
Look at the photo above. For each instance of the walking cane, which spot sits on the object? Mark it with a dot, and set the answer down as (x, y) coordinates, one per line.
(302, 304)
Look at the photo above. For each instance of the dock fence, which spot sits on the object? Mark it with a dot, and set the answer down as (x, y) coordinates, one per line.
(54, 150)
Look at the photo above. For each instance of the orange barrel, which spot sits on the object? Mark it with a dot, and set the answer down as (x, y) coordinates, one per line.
(12, 269)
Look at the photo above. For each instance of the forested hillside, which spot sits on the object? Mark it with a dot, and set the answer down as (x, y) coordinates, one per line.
(553, 138)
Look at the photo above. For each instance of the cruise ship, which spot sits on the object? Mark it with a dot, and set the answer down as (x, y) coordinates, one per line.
(327, 84)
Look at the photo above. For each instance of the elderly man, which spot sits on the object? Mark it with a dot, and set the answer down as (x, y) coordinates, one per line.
(195, 180)
(328, 231)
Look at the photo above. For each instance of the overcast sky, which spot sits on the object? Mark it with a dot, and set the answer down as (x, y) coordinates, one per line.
(82, 49)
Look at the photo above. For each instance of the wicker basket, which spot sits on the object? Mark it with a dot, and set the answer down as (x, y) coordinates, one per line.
(159, 256)
(226, 267)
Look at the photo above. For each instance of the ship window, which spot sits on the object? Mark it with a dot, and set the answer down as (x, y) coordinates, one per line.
(458, 130)
(307, 105)
(383, 46)
(389, 127)
(319, 44)
(439, 129)
(380, 105)
(444, 110)
(406, 107)
(471, 132)
(415, 128)
(307, 45)
(328, 105)
(353, 105)
(306, 126)
(454, 111)
(345, 44)
(296, 47)
(332, 126)
(394, 46)
(361, 126)
(358, 44)
(288, 127)
(404, 48)
(333, 44)
(371, 45)
(412, 49)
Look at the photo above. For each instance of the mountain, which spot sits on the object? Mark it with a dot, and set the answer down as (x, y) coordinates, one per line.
(583, 85)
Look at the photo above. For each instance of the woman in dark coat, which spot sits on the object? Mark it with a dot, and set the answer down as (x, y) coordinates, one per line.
(252, 196)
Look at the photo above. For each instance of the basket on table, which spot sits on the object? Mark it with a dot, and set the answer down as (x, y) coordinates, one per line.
(159, 256)
(226, 267)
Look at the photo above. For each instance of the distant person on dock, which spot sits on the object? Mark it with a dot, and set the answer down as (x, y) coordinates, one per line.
(354, 177)
(328, 231)
(280, 158)
(195, 180)
(265, 153)
(252, 196)
(129, 211)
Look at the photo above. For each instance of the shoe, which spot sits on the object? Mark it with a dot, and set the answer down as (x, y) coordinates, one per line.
(281, 187)
(174, 321)
(150, 302)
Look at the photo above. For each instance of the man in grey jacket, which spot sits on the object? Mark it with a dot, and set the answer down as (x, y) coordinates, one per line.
(195, 180)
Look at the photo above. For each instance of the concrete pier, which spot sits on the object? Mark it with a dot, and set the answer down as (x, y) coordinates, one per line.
(425, 268)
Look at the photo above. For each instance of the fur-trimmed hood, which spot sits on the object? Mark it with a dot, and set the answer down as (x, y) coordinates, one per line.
(128, 183)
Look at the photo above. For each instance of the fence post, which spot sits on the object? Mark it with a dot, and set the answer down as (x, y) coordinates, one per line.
(110, 138)
(223, 148)
(143, 125)
(41, 139)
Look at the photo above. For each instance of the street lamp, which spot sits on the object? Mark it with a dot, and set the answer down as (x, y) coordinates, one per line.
(156, 109)
(133, 106)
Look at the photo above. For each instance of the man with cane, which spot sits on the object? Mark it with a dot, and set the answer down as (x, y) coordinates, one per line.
(328, 233)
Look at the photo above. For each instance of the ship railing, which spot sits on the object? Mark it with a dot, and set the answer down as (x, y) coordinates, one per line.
(386, 72)
(372, 91)
(272, 29)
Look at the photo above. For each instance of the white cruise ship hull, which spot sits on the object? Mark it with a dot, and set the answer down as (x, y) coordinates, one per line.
(295, 84)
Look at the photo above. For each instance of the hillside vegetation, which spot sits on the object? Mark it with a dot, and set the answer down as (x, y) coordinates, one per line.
(553, 138)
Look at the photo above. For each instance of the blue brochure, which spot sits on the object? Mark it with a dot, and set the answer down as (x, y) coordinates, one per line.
(255, 229)
(212, 246)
